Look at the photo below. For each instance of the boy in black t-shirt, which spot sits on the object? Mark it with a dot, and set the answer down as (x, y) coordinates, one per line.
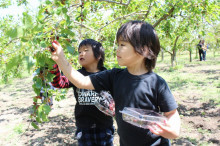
(93, 126)
(136, 86)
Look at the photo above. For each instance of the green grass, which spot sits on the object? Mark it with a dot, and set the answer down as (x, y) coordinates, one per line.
(19, 129)
(197, 77)
(192, 140)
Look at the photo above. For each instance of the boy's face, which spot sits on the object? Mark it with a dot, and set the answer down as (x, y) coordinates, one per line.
(86, 57)
(126, 54)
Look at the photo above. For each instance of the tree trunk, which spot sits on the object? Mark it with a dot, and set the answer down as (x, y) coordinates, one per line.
(162, 55)
(173, 56)
(196, 52)
(190, 55)
(5, 76)
(172, 60)
(216, 47)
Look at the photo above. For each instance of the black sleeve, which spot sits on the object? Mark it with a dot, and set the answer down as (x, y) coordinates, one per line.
(166, 99)
(103, 80)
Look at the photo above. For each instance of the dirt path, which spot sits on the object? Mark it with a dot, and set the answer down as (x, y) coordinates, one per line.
(16, 103)
(200, 120)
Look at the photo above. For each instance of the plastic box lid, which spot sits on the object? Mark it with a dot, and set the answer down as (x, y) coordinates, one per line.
(141, 117)
(106, 104)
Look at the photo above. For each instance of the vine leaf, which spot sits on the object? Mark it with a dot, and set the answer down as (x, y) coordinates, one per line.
(15, 61)
(34, 125)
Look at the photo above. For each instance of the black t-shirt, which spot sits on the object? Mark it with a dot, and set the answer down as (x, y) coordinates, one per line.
(199, 46)
(147, 91)
(86, 113)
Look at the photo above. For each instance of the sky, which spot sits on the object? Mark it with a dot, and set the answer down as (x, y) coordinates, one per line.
(18, 10)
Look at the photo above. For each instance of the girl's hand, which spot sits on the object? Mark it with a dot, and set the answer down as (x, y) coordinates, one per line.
(57, 52)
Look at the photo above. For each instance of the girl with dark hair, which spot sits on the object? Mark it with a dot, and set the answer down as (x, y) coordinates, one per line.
(135, 86)
(93, 126)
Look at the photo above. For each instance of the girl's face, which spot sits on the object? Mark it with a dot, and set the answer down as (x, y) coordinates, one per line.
(126, 54)
(86, 57)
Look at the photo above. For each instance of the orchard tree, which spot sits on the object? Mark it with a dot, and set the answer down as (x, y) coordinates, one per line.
(71, 21)
(185, 27)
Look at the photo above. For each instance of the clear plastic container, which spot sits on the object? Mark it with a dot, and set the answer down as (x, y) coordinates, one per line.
(141, 117)
(106, 104)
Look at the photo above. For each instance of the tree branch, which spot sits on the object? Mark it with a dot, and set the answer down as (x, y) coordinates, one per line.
(109, 1)
(166, 50)
(164, 17)
(85, 26)
(174, 46)
(148, 11)
(11, 41)
(134, 13)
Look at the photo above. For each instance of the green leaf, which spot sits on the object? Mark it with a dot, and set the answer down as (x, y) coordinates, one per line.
(77, 18)
(36, 90)
(15, 61)
(38, 120)
(24, 40)
(59, 10)
(34, 125)
(185, 3)
(70, 49)
(40, 110)
(35, 100)
(30, 62)
(20, 31)
(27, 21)
(50, 62)
(39, 27)
(43, 44)
(39, 83)
(67, 18)
(50, 77)
(12, 33)
(64, 10)
(70, 33)
(48, 2)
(40, 17)
(44, 117)
(41, 59)
(46, 109)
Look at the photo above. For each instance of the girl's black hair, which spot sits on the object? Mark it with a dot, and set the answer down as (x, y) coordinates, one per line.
(143, 38)
(97, 49)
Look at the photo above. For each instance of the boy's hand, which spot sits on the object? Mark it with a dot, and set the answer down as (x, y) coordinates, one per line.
(170, 129)
(56, 51)
(164, 130)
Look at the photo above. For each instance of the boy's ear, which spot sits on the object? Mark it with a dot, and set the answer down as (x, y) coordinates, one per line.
(145, 51)
(148, 53)
(99, 57)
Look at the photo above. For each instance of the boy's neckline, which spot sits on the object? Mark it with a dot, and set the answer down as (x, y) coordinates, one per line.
(138, 77)
(103, 68)
(138, 73)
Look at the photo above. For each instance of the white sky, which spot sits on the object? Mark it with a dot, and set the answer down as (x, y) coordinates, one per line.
(18, 10)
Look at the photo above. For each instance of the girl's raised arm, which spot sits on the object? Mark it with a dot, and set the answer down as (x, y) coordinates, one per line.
(79, 80)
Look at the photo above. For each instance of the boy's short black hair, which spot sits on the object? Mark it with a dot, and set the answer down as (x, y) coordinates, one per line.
(97, 49)
(143, 38)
